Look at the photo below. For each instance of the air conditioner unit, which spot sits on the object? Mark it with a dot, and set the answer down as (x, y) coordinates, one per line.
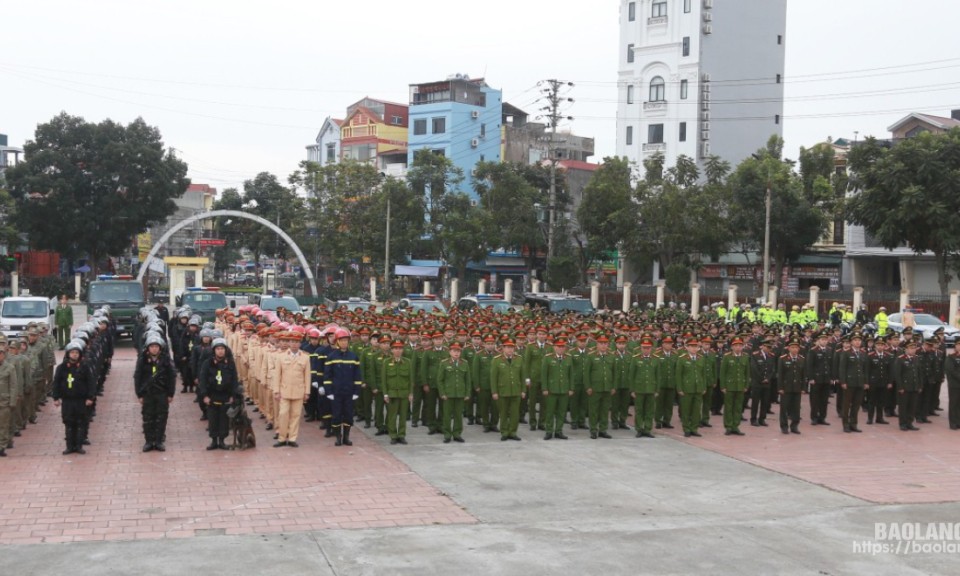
(708, 29)
(474, 114)
(705, 96)
(475, 142)
(708, 4)
(707, 16)
(706, 77)
(705, 126)
(704, 134)
(705, 116)
(705, 105)
(705, 88)
(704, 149)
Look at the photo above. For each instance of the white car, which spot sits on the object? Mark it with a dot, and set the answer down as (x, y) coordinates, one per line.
(17, 312)
(926, 324)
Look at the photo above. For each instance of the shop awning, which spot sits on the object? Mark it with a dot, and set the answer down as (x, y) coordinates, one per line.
(419, 271)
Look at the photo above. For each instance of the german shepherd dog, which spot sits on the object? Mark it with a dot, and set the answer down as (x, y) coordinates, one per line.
(241, 427)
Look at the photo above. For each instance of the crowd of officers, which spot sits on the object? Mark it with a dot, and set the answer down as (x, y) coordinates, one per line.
(497, 371)
(28, 378)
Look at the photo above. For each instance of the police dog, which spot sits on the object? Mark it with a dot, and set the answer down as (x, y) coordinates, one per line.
(241, 426)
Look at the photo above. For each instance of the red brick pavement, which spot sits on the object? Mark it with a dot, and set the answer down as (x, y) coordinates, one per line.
(882, 464)
(116, 492)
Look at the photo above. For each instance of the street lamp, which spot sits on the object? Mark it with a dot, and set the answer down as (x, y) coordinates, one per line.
(766, 234)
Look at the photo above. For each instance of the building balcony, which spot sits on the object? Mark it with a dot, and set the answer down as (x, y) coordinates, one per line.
(358, 131)
(656, 20)
(655, 106)
(655, 147)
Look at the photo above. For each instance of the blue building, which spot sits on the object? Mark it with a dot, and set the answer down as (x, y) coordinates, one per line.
(459, 118)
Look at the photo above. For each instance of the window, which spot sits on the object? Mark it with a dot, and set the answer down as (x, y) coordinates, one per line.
(331, 152)
(657, 89)
(439, 125)
(659, 8)
(684, 85)
(686, 45)
(655, 134)
(483, 158)
(629, 94)
(686, 6)
(683, 131)
(483, 130)
(632, 11)
(629, 52)
(779, 39)
(396, 120)
(629, 135)
(420, 127)
(778, 78)
(776, 119)
(439, 151)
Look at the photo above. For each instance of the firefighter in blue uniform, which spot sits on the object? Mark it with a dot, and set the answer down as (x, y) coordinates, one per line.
(342, 383)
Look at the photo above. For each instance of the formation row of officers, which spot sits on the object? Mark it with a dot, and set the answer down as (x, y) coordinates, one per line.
(439, 379)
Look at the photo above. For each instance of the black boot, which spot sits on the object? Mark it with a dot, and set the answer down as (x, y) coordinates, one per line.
(214, 444)
(329, 431)
(222, 444)
(339, 435)
(68, 439)
(346, 437)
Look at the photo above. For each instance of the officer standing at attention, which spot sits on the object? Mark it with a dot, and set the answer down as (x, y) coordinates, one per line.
(453, 384)
(219, 387)
(507, 388)
(63, 321)
(557, 382)
(791, 385)
(763, 369)
(73, 385)
(532, 362)
(908, 375)
(691, 385)
(341, 383)
(397, 376)
(819, 370)
(951, 368)
(600, 388)
(644, 379)
(734, 380)
(155, 382)
(853, 382)
(8, 386)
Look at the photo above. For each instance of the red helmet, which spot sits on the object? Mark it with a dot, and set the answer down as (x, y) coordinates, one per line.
(313, 333)
(342, 333)
(298, 329)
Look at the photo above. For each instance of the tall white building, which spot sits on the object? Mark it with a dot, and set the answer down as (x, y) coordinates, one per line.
(699, 77)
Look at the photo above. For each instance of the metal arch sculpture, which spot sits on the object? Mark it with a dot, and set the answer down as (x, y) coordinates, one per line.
(233, 214)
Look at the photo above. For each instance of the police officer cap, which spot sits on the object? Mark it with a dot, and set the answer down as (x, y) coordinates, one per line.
(75, 345)
(220, 342)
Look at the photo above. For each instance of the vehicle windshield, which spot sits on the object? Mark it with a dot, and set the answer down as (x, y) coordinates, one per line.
(498, 306)
(205, 301)
(131, 292)
(25, 309)
(927, 320)
(573, 305)
(428, 306)
(272, 303)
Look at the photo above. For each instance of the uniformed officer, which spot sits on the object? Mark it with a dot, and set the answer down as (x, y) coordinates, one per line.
(853, 383)
(8, 386)
(734, 381)
(219, 386)
(667, 388)
(600, 387)
(819, 368)
(155, 383)
(429, 364)
(397, 377)
(644, 381)
(951, 369)
(453, 385)
(791, 384)
(342, 378)
(763, 369)
(557, 382)
(532, 363)
(578, 402)
(908, 375)
(880, 377)
(488, 412)
(507, 388)
(73, 385)
(691, 386)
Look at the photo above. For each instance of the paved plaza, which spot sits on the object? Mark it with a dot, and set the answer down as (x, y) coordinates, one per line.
(765, 503)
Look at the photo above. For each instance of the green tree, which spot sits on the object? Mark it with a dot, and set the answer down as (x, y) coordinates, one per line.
(266, 197)
(231, 230)
(461, 231)
(433, 176)
(562, 272)
(89, 189)
(910, 195)
(796, 220)
(607, 212)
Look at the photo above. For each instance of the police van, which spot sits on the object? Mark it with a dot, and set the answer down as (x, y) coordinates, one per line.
(559, 302)
(124, 295)
(493, 302)
(204, 301)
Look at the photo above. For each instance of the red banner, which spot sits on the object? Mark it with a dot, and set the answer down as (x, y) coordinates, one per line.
(210, 242)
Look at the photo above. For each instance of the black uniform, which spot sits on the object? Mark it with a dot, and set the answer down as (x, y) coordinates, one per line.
(763, 371)
(908, 374)
(220, 384)
(74, 385)
(880, 376)
(819, 370)
(155, 382)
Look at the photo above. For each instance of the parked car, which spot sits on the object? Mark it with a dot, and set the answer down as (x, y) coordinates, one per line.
(558, 303)
(352, 304)
(926, 324)
(429, 303)
(486, 301)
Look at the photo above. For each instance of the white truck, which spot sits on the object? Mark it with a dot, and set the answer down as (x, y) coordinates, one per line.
(18, 311)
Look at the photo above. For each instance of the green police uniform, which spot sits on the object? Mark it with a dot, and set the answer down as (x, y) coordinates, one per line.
(734, 381)
(853, 381)
(506, 383)
(557, 381)
(644, 379)
(691, 385)
(908, 375)
(397, 378)
(453, 385)
(532, 363)
(600, 390)
(471, 406)
(712, 373)
(488, 413)
(578, 402)
(430, 363)
(620, 402)
(667, 391)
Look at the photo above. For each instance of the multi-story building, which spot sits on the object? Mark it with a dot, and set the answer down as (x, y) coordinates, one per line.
(9, 155)
(197, 199)
(326, 149)
(530, 142)
(458, 117)
(866, 262)
(699, 78)
(376, 131)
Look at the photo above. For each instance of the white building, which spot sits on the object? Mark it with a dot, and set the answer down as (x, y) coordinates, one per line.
(326, 149)
(699, 77)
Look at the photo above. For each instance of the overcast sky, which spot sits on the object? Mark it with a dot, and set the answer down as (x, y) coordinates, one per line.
(240, 87)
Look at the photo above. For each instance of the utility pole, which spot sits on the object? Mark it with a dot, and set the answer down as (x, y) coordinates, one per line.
(553, 93)
(386, 256)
